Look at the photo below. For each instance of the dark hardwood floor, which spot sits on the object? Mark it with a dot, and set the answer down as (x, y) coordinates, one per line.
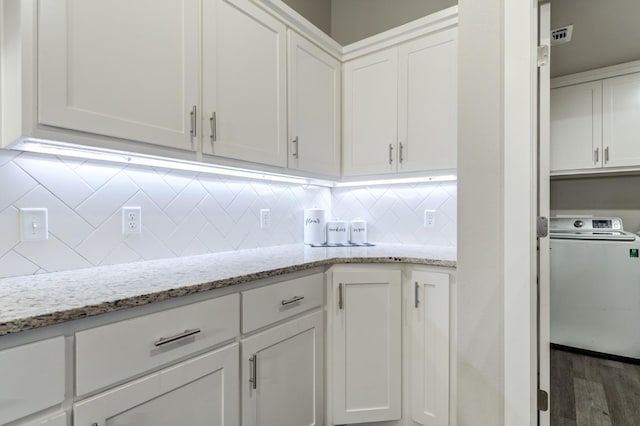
(588, 391)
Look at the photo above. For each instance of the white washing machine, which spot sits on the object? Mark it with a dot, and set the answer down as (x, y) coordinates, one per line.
(595, 286)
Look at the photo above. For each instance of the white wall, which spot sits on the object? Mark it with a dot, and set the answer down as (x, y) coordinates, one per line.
(494, 274)
(617, 196)
(318, 12)
(353, 20)
(186, 214)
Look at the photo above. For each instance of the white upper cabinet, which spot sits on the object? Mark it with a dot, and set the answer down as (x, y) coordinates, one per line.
(370, 114)
(595, 125)
(621, 120)
(428, 103)
(314, 108)
(122, 69)
(576, 127)
(400, 108)
(244, 83)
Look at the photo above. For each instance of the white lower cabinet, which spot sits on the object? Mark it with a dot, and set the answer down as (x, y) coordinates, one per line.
(202, 391)
(32, 378)
(282, 374)
(366, 345)
(59, 419)
(428, 320)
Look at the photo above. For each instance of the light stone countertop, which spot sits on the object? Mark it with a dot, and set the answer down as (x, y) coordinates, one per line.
(34, 301)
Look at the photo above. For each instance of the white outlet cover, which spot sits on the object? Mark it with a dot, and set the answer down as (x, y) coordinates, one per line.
(265, 218)
(429, 218)
(34, 224)
(131, 220)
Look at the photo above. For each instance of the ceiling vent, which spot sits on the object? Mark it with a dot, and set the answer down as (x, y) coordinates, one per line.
(561, 35)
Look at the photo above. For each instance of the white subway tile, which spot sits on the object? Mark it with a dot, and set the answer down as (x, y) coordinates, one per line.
(51, 255)
(15, 183)
(13, 265)
(107, 200)
(57, 177)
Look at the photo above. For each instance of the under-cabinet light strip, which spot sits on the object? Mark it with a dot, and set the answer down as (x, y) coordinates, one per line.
(419, 179)
(69, 150)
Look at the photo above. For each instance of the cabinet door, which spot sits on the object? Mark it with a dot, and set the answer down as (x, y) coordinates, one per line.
(371, 114)
(55, 420)
(576, 127)
(314, 108)
(282, 375)
(366, 346)
(202, 391)
(32, 378)
(428, 103)
(429, 362)
(244, 83)
(621, 120)
(119, 68)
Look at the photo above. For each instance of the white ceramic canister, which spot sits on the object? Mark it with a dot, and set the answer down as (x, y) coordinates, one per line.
(358, 231)
(337, 232)
(314, 226)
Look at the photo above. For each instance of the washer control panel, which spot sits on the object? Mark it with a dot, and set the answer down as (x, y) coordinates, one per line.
(585, 224)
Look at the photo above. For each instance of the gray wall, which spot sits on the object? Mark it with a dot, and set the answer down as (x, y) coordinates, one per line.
(604, 33)
(316, 11)
(602, 196)
(353, 20)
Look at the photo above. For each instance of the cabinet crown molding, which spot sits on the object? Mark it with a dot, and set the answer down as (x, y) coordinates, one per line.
(596, 74)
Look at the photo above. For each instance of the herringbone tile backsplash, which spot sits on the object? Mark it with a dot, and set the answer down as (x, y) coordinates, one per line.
(186, 213)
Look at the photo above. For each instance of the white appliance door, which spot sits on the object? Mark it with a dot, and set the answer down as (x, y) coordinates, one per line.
(595, 296)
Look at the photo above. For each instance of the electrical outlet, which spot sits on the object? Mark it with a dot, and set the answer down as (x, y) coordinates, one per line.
(265, 218)
(429, 218)
(131, 220)
(34, 224)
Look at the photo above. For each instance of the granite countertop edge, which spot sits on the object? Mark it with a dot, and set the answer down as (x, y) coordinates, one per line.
(54, 317)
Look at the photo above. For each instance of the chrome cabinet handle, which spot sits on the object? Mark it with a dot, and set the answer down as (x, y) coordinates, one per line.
(193, 121)
(294, 299)
(253, 371)
(401, 152)
(596, 156)
(415, 296)
(390, 153)
(340, 301)
(213, 124)
(295, 144)
(164, 340)
(606, 155)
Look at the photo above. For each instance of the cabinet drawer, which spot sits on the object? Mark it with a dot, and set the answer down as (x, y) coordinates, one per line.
(114, 352)
(266, 305)
(32, 378)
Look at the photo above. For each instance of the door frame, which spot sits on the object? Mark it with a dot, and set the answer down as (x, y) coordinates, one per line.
(543, 192)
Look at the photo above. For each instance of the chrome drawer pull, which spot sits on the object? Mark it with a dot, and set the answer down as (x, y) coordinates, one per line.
(194, 123)
(213, 123)
(253, 371)
(164, 340)
(294, 299)
(295, 144)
